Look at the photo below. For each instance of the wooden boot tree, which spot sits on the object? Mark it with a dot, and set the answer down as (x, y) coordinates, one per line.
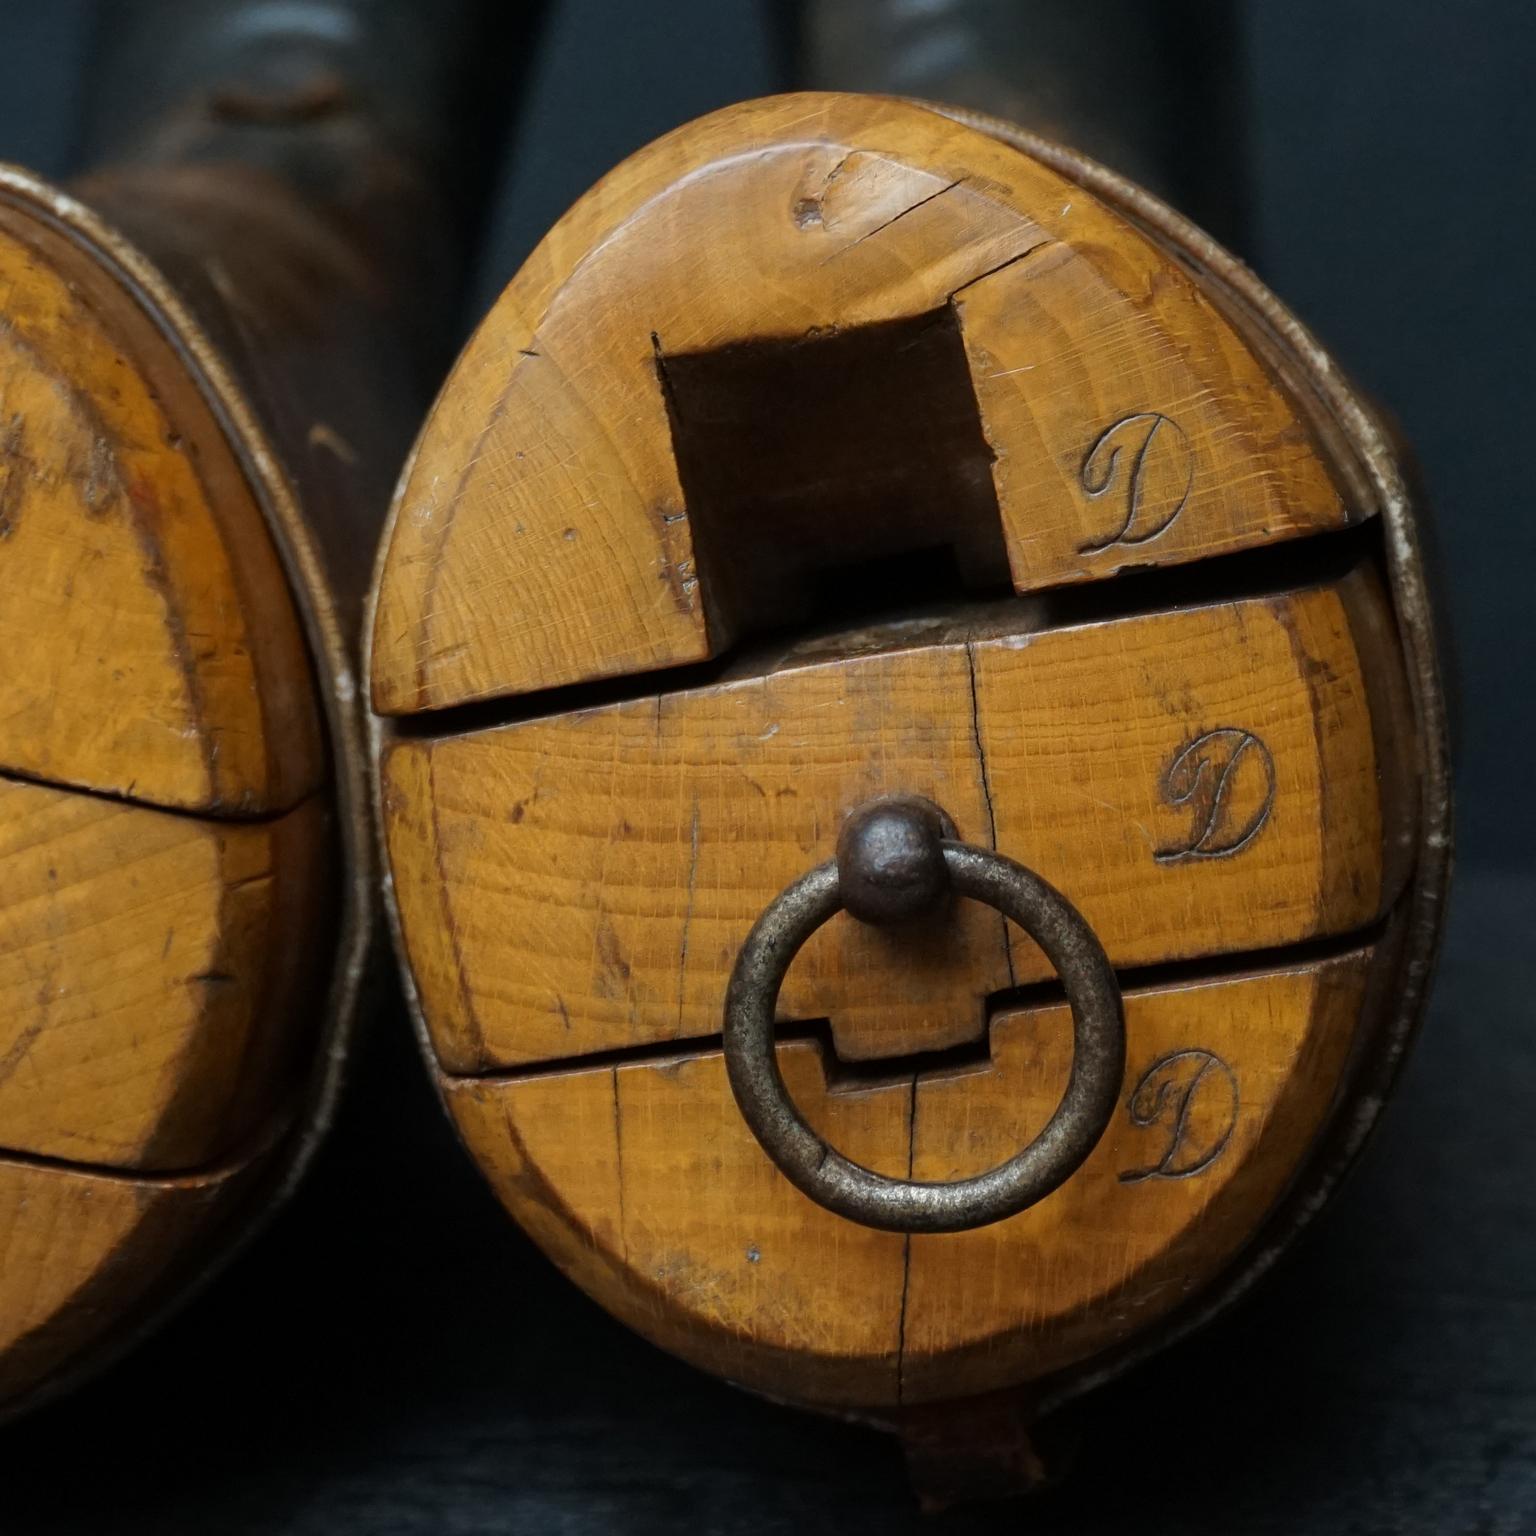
(210, 362)
(832, 449)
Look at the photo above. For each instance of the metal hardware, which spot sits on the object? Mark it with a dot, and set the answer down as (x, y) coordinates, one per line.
(896, 864)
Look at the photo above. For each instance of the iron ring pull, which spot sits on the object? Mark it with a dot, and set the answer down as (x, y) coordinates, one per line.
(898, 861)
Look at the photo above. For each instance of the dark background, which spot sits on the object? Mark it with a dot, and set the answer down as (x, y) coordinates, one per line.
(393, 1357)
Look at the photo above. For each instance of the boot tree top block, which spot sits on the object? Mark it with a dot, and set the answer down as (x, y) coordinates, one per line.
(868, 264)
(834, 448)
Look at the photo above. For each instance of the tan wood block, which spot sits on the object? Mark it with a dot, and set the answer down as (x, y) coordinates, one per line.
(152, 646)
(1199, 782)
(643, 1182)
(81, 1253)
(158, 973)
(546, 533)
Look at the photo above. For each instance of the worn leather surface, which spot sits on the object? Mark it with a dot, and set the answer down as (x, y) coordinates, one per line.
(307, 176)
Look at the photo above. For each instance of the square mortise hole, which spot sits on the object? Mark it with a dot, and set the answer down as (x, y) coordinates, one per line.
(836, 474)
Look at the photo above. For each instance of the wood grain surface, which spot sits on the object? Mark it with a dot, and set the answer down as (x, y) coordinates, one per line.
(157, 972)
(82, 1252)
(582, 882)
(152, 646)
(543, 534)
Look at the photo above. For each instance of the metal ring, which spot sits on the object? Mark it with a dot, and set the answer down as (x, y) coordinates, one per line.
(905, 1205)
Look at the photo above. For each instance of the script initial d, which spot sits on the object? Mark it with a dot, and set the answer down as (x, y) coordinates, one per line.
(1144, 465)
(1192, 1095)
(1227, 778)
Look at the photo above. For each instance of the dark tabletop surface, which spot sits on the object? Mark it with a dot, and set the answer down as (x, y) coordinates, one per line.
(393, 1357)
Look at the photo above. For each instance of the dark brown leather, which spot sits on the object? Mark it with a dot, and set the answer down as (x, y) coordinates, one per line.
(307, 176)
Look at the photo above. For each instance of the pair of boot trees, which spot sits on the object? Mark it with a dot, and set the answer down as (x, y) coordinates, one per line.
(831, 448)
